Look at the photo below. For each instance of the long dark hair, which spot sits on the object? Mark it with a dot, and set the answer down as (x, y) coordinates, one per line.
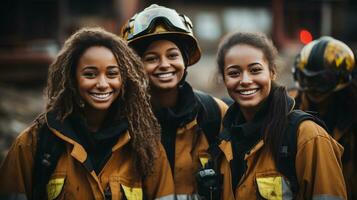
(64, 99)
(275, 121)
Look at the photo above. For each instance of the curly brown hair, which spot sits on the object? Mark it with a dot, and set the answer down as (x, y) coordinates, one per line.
(63, 97)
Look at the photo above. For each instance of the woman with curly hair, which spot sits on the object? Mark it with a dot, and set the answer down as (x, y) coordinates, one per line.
(98, 138)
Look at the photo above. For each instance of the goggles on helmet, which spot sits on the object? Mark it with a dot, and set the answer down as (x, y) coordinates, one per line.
(321, 82)
(144, 22)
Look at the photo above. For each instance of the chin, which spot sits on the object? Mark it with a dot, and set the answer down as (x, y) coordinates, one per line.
(100, 107)
(245, 104)
(165, 86)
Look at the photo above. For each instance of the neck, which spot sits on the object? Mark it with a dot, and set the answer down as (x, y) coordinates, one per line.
(248, 114)
(94, 119)
(164, 98)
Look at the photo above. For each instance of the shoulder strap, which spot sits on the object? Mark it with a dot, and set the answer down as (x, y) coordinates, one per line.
(209, 116)
(288, 150)
(49, 149)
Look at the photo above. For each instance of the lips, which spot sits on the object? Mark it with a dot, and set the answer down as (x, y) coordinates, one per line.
(247, 92)
(164, 76)
(101, 96)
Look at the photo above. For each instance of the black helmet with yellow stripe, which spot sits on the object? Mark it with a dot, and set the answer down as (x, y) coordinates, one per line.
(324, 65)
(159, 22)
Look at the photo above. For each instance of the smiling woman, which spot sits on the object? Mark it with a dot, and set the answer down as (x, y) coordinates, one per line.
(164, 40)
(164, 64)
(98, 79)
(257, 134)
(98, 138)
(247, 77)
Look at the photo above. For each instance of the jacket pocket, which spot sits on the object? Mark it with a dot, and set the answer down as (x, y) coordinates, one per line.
(132, 193)
(121, 187)
(55, 186)
(274, 188)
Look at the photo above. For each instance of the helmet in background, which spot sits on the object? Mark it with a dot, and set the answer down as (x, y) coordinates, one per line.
(158, 22)
(324, 65)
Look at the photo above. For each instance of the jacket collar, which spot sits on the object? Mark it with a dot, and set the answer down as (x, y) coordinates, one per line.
(234, 120)
(74, 125)
(185, 110)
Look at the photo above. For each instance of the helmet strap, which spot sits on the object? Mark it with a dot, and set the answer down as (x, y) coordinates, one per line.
(183, 80)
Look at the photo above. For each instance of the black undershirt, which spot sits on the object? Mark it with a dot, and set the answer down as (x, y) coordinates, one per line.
(98, 145)
(171, 119)
(244, 136)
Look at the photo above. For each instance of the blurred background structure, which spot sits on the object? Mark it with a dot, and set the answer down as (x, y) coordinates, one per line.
(32, 32)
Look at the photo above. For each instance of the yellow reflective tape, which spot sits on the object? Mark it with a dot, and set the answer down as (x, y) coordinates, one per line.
(132, 193)
(54, 188)
(203, 161)
(270, 187)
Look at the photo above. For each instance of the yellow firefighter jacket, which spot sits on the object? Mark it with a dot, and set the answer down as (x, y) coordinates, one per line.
(318, 169)
(347, 136)
(73, 179)
(191, 147)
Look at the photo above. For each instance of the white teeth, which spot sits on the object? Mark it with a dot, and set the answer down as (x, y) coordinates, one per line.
(165, 75)
(248, 92)
(101, 95)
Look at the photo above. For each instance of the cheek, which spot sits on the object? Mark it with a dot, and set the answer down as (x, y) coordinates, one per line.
(83, 84)
(117, 84)
(229, 83)
(149, 68)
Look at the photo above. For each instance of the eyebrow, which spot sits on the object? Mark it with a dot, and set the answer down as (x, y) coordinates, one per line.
(89, 67)
(153, 52)
(173, 48)
(249, 66)
(113, 66)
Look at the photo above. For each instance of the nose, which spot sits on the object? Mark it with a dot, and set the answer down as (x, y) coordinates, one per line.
(164, 62)
(246, 79)
(102, 82)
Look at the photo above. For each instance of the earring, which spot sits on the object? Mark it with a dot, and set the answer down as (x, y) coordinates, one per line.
(81, 103)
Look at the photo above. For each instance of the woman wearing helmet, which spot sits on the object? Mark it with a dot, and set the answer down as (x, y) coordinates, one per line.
(165, 42)
(323, 70)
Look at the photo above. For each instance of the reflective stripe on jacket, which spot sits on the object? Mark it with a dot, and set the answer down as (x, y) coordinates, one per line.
(318, 169)
(71, 178)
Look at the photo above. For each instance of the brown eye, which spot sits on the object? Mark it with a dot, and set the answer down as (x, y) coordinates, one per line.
(233, 73)
(113, 73)
(150, 59)
(173, 55)
(255, 70)
(89, 74)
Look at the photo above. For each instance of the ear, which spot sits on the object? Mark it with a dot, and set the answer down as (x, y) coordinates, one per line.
(273, 75)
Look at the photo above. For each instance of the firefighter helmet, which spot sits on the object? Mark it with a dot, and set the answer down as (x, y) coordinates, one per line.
(324, 65)
(156, 22)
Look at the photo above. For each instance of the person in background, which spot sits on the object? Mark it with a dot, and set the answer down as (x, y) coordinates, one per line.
(259, 161)
(189, 119)
(323, 70)
(98, 138)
